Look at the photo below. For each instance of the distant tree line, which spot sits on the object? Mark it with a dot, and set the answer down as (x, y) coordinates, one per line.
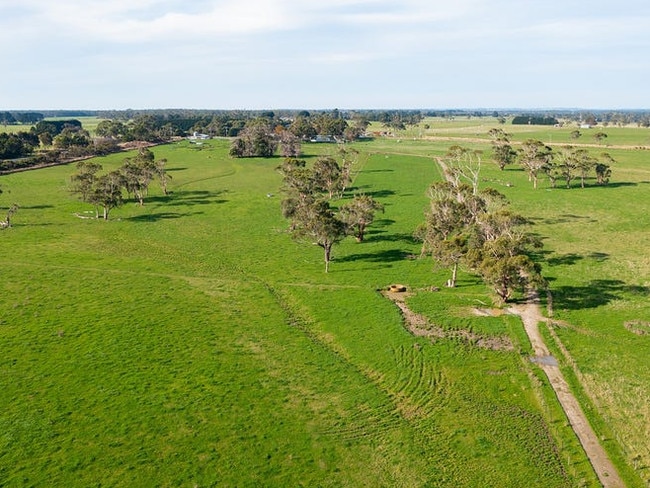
(534, 120)
(47, 142)
(640, 117)
(13, 118)
(65, 139)
(262, 136)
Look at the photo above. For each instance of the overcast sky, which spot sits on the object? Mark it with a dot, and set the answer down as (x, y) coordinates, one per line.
(272, 54)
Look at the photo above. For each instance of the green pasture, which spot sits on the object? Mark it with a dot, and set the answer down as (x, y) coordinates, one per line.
(88, 123)
(596, 260)
(12, 129)
(470, 129)
(191, 342)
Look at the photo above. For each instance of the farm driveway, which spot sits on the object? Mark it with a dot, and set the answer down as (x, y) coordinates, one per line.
(531, 316)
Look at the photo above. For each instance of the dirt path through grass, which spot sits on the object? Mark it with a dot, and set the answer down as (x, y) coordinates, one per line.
(531, 316)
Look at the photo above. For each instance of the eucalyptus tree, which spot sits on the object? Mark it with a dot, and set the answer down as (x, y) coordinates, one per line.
(327, 175)
(445, 234)
(502, 152)
(83, 181)
(478, 231)
(584, 163)
(563, 167)
(138, 173)
(306, 205)
(535, 157)
(600, 136)
(358, 214)
(161, 173)
(461, 163)
(104, 191)
(299, 188)
(501, 254)
(317, 223)
(349, 158)
(570, 163)
(257, 140)
(107, 192)
(289, 144)
(603, 168)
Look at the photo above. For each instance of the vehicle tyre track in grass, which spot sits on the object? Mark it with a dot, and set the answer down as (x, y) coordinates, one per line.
(531, 316)
(413, 394)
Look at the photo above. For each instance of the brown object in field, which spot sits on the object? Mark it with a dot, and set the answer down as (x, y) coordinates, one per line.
(397, 288)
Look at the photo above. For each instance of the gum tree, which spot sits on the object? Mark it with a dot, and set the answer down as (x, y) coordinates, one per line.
(535, 157)
(502, 152)
(317, 223)
(358, 214)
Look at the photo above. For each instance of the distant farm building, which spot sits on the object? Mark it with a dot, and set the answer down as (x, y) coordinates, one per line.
(196, 136)
(321, 138)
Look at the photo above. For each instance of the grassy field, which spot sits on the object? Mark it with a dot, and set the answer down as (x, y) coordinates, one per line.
(190, 342)
(478, 127)
(596, 259)
(12, 129)
(88, 123)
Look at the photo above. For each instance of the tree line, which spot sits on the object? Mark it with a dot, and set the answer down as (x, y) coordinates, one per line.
(262, 136)
(566, 164)
(14, 118)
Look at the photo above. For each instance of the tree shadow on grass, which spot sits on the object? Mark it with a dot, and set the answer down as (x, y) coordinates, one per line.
(616, 184)
(595, 294)
(563, 219)
(382, 222)
(572, 258)
(564, 259)
(155, 217)
(575, 185)
(388, 256)
(183, 198)
(358, 190)
(31, 207)
(376, 235)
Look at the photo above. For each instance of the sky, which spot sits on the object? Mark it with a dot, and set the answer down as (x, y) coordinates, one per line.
(325, 54)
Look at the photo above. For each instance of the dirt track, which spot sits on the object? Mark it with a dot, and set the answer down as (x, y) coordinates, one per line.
(531, 317)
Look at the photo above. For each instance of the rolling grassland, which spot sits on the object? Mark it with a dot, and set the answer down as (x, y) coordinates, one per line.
(191, 342)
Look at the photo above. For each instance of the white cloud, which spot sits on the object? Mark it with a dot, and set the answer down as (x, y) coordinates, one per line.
(324, 49)
(151, 20)
(595, 30)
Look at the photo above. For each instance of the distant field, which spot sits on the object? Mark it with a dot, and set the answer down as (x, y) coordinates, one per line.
(12, 129)
(478, 127)
(88, 123)
(191, 342)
